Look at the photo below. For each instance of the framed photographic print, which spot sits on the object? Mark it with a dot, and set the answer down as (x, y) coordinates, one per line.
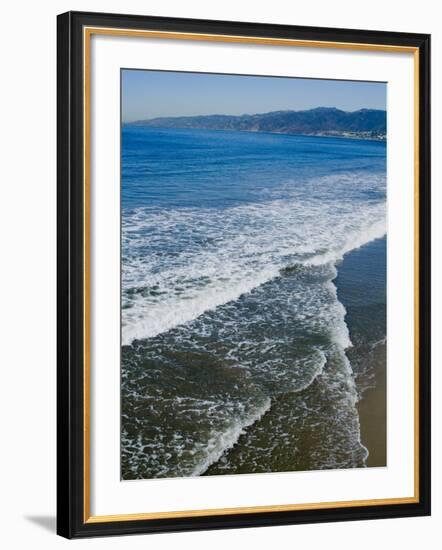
(243, 274)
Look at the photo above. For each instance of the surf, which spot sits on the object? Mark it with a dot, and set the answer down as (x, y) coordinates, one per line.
(184, 262)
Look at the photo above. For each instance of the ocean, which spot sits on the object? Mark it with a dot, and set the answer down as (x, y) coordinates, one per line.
(253, 300)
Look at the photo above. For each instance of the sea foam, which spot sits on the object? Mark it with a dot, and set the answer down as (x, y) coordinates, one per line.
(180, 263)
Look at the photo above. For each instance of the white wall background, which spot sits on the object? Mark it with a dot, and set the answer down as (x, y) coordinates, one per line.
(27, 286)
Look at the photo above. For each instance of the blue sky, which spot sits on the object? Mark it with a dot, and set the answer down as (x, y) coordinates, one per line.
(150, 94)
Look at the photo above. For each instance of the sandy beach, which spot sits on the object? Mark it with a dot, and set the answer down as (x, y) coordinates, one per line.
(361, 288)
(372, 413)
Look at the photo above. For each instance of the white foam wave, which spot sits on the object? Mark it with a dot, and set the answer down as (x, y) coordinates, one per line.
(218, 444)
(179, 264)
(319, 370)
(367, 234)
(147, 323)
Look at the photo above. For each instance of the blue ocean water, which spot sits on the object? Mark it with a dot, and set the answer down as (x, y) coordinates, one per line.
(218, 169)
(234, 336)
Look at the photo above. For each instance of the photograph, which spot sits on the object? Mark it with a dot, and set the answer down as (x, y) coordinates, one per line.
(253, 274)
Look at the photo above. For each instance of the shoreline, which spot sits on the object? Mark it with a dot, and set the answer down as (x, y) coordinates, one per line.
(368, 360)
(372, 418)
(355, 137)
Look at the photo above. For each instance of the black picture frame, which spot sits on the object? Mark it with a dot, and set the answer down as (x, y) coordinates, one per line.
(71, 498)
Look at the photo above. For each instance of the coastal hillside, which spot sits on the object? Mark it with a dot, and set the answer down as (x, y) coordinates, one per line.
(322, 121)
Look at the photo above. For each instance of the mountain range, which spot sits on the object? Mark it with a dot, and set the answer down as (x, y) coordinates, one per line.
(322, 121)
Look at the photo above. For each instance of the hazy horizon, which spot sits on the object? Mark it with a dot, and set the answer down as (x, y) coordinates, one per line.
(156, 94)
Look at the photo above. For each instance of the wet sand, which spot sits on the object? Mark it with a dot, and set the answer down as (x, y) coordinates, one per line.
(373, 412)
(361, 289)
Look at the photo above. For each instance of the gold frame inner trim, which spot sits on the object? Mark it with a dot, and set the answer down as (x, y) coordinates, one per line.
(87, 33)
